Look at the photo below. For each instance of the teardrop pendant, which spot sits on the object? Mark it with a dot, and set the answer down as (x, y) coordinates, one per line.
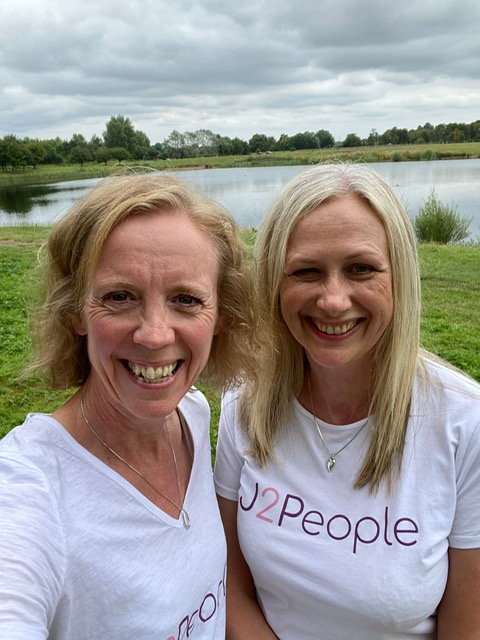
(331, 462)
(185, 518)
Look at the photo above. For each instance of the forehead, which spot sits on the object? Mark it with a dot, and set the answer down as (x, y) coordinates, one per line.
(161, 240)
(167, 228)
(339, 221)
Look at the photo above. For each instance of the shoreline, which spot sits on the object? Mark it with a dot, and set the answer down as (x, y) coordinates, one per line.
(50, 174)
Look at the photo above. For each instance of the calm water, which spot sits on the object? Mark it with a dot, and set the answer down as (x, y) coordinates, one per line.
(248, 192)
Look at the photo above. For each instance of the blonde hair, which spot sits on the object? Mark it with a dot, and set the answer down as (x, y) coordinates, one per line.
(266, 401)
(71, 253)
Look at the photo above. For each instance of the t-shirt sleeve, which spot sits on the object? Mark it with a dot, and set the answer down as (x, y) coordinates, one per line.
(32, 555)
(465, 532)
(229, 459)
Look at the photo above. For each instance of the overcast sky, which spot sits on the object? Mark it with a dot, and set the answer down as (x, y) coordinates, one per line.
(237, 67)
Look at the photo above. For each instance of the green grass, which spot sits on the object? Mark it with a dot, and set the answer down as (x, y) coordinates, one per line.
(44, 174)
(450, 319)
(451, 304)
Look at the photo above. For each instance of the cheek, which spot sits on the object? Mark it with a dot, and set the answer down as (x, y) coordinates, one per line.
(199, 337)
(291, 297)
(381, 299)
(103, 330)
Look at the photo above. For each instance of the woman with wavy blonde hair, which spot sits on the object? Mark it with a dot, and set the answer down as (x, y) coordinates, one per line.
(351, 452)
(110, 525)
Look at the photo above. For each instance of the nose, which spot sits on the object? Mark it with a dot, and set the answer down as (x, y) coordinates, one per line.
(154, 329)
(334, 296)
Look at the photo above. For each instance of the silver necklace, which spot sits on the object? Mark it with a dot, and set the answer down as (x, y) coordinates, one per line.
(183, 513)
(332, 461)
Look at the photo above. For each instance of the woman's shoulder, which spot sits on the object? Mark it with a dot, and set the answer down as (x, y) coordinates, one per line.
(195, 409)
(35, 433)
(442, 374)
(447, 390)
(31, 455)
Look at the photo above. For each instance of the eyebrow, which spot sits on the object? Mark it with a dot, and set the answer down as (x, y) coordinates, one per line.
(355, 255)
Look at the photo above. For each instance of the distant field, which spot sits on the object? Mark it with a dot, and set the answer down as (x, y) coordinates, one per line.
(47, 173)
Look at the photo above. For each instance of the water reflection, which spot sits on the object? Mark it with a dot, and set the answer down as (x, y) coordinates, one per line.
(248, 192)
(40, 204)
(20, 200)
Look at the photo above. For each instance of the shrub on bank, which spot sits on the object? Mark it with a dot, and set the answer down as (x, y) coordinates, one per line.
(440, 223)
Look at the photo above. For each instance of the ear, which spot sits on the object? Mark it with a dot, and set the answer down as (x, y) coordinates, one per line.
(79, 327)
(219, 325)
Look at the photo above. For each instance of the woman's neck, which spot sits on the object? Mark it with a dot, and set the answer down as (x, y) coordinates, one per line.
(336, 397)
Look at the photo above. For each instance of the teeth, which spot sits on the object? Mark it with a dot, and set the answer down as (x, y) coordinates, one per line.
(152, 374)
(337, 330)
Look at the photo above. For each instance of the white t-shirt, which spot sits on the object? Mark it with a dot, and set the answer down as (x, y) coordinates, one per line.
(330, 561)
(85, 555)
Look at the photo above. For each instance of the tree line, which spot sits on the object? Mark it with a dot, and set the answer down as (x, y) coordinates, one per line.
(121, 141)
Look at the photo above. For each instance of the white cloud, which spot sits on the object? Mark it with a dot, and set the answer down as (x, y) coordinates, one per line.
(238, 68)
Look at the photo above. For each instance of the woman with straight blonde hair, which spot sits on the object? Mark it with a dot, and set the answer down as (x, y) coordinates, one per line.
(348, 466)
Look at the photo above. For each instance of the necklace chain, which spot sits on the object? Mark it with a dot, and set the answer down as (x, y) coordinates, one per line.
(332, 461)
(182, 511)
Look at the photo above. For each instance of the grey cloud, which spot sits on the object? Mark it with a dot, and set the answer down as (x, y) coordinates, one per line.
(233, 64)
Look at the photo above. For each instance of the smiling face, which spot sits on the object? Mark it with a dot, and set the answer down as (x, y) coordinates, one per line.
(150, 315)
(336, 296)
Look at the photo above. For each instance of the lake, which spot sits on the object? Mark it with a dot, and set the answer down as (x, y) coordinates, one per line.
(248, 192)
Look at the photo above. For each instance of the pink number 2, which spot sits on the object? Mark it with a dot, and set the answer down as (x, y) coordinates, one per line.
(269, 506)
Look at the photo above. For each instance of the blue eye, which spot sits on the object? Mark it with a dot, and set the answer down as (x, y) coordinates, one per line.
(188, 300)
(308, 274)
(119, 296)
(362, 269)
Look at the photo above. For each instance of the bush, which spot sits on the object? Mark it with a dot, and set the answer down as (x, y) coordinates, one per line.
(428, 154)
(440, 223)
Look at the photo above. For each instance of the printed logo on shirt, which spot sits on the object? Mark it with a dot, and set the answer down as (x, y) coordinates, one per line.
(270, 507)
(207, 610)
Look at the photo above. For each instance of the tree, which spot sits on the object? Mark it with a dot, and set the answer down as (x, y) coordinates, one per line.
(207, 142)
(373, 138)
(80, 154)
(53, 152)
(120, 132)
(224, 146)
(77, 140)
(119, 154)
(95, 142)
(284, 143)
(259, 142)
(140, 146)
(3, 155)
(175, 144)
(305, 140)
(352, 140)
(36, 152)
(240, 147)
(13, 152)
(325, 139)
(102, 154)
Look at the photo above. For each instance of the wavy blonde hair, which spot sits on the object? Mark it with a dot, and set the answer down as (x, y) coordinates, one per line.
(69, 258)
(266, 401)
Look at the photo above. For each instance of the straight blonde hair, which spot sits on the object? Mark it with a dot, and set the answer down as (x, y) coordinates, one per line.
(281, 363)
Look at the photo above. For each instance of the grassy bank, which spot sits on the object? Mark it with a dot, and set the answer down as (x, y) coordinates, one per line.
(44, 174)
(451, 292)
